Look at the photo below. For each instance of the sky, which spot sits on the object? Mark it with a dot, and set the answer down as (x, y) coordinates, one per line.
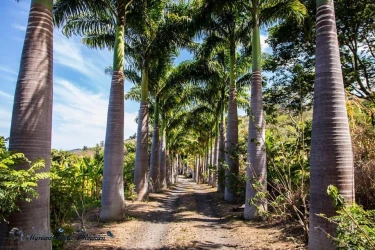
(81, 89)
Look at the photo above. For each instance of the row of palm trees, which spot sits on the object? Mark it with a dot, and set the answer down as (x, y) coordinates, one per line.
(148, 34)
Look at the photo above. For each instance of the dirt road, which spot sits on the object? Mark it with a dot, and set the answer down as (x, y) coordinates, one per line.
(187, 216)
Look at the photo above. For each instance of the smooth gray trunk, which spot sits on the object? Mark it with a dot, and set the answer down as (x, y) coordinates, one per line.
(162, 158)
(172, 165)
(112, 202)
(177, 168)
(212, 164)
(331, 158)
(221, 160)
(154, 161)
(168, 168)
(256, 169)
(32, 123)
(215, 162)
(197, 170)
(141, 158)
(231, 156)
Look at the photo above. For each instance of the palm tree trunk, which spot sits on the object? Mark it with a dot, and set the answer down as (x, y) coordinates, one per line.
(196, 173)
(183, 168)
(32, 121)
(168, 168)
(141, 158)
(210, 173)
(177, 168)
(256, 169)
(220, 167)
(231, 156)
(199, 169)
(331, 157)
(154, 162)
(112, 202)
(215, 156)
(205, 166)
(162, 159)
(173, 167)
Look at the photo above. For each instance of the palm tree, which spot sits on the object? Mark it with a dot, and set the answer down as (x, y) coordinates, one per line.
(159, 89)
(31, 125)
(331, 156)
(155, 34)
(102, 24)
(227, 26)
(262, 12)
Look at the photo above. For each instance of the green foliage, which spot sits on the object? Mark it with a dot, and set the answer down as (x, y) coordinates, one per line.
(129, 164)
(360, 114)
(66, 186)
(75, 186)
(355, 227)
(17, 185)
(288, 149)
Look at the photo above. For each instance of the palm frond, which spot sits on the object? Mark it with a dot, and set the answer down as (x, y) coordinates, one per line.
(276, 10)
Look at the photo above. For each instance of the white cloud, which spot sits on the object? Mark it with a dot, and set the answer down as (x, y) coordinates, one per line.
(89, 62)
(7, 70)
(80, 115)
(5, 118)
(265, 47)
(19, 27)
(6, 95)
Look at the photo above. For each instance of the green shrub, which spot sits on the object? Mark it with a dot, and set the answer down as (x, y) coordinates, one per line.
(355, 226)
(17, 185)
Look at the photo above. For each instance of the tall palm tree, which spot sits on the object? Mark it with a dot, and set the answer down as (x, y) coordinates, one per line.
(331, 156)
(155, 34)
(159, 89)
(213, 68)
(102, 25)
(263, 12)
(227, 26)
(31, 125)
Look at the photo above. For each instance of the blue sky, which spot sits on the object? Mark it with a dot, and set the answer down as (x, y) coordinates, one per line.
(81, 89)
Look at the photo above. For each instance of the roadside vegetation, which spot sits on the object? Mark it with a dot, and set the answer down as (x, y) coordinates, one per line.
(302, 155)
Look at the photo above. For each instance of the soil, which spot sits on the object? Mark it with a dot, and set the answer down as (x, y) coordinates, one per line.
(186, 216)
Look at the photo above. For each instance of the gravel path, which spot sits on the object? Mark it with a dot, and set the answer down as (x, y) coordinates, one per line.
(187, 216)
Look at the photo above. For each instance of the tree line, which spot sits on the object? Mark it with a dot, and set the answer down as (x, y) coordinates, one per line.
(193, 106)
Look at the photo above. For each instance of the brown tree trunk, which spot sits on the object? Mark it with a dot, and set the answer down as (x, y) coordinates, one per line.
(331, 157)
(32, 122)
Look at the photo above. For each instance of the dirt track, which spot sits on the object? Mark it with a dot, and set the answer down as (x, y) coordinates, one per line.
(188, 216)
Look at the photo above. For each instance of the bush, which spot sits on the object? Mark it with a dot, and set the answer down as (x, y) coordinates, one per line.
(17, 185)
(355, 226)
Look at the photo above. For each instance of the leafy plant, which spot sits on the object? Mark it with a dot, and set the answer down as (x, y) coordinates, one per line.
(288, 174)
(17, 185)
(355, 227)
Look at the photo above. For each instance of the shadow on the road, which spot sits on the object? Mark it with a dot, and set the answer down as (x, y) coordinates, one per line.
(194, 245)
(195, 198)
